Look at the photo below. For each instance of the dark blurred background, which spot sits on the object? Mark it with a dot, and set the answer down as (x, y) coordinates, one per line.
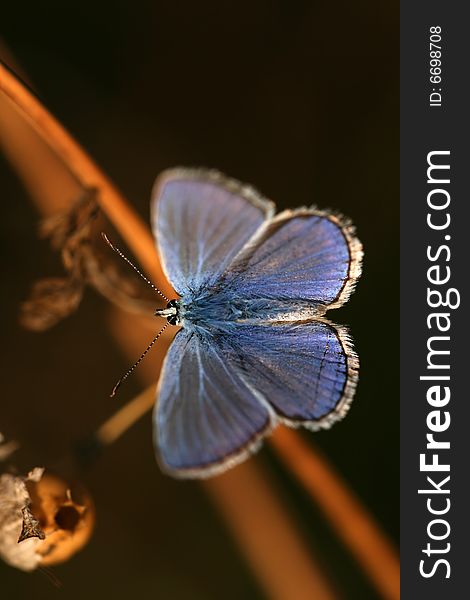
(300, 99)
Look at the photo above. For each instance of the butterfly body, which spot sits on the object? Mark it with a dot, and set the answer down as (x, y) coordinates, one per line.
(221, 310)
(254, 348)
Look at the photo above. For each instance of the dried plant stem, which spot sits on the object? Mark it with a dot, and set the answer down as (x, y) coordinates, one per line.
(267, 536)
(125, 417)
(132, 229)
(352, 523)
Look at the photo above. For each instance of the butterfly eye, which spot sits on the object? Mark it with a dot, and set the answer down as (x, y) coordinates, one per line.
(173, 304)
(174, 318)
(171, 312)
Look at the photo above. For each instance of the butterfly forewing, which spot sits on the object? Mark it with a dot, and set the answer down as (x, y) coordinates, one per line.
(201, 221)
(207, 416)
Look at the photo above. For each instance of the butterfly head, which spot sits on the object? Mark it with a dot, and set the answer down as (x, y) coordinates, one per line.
(172, 312)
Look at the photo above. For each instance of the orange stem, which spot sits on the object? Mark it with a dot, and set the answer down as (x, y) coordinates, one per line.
(131, 227)
(266, 534)
(353, 524)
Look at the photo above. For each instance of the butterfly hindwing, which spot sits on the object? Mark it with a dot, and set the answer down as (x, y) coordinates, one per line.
(306, 371)
(306, 258)
(219, 397)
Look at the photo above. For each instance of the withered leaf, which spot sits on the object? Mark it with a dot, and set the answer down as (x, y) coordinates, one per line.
(74, 234)
(50, 301)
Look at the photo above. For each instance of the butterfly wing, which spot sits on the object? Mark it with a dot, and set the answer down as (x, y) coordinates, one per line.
(208, 417)
(219, 397)
(219, 393)
(298, 265)
(308, 260)
(201, 220)
(306, 371)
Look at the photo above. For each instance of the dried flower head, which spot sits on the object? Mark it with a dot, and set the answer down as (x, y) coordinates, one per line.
(66, 515)
(42, 522)
(14, 498)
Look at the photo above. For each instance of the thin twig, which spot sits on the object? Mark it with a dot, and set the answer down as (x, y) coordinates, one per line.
(125, 417)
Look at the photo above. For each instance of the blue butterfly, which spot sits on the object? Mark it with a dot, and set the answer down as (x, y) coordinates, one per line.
(254, 348)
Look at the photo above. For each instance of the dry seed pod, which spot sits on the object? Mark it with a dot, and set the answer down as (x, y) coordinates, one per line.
(66, 516)
(42, 521)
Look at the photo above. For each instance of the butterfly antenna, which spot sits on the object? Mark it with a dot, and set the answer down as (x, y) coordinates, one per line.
(122, 255)
(137, 362)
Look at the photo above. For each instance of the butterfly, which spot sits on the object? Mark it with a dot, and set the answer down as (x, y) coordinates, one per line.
(254, 348)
